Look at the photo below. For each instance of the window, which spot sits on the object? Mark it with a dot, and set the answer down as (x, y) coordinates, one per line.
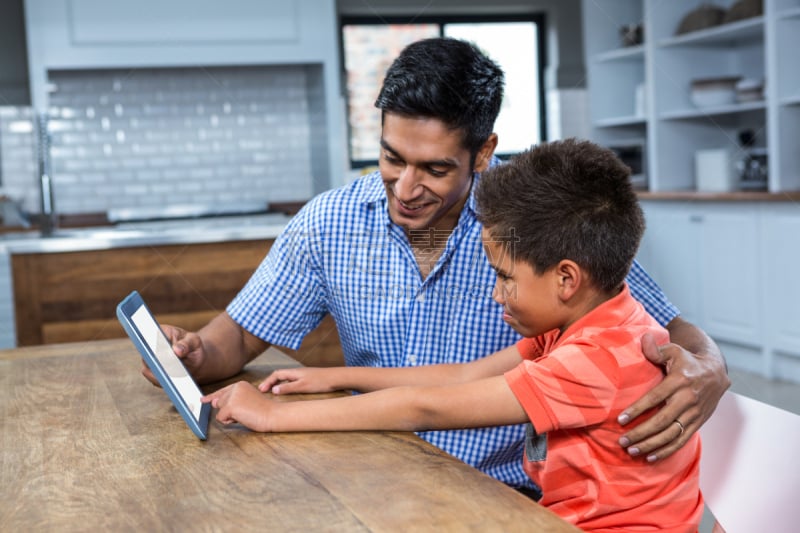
(515, 43)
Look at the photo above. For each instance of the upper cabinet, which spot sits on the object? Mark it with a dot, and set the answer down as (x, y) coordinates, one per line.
(71, 35)
(710, 90)
(90, 34)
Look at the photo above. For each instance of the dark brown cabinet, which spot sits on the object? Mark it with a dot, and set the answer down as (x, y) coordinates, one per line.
(70, 297)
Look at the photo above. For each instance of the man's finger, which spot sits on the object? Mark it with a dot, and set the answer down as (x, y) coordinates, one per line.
(652, 351)
(653, 398)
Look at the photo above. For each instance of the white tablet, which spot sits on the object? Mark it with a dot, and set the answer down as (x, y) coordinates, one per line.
(157, 353)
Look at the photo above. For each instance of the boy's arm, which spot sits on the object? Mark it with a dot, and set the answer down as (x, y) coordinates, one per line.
(481, 403)
(367, 379)
(695, 380)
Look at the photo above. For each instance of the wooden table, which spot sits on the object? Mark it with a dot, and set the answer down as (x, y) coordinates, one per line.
(88, 444)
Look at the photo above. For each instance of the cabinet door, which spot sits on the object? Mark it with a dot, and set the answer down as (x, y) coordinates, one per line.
(730, 273)
(98, 22)
(781, 243)
(670, 254)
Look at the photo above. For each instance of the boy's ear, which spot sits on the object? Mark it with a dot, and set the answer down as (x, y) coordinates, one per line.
(569, 278)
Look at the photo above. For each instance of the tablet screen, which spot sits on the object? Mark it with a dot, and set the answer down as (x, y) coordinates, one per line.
(158, 343)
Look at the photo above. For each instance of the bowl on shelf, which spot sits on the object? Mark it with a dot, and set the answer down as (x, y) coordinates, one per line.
(749, 90)
(700, 18)
(711, 92)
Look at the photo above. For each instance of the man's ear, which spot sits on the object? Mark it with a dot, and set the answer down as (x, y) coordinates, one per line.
(484, 155)
(569, 277)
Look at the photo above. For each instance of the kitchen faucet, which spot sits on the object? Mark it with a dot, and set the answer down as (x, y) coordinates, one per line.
(47, 220)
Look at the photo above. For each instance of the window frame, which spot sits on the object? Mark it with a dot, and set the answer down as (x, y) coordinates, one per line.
(441, 20)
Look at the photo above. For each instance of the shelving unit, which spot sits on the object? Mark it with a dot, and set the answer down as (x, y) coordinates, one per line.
(662, 69)
(698, 246)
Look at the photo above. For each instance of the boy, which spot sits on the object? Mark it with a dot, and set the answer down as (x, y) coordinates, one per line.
(561, 226)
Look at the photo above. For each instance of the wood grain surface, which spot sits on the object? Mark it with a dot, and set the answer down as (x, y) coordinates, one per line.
(87, 444)
(72, 296)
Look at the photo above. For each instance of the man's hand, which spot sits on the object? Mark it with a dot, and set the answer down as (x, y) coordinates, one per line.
(188, 346)
(690, 392)
(218, 351)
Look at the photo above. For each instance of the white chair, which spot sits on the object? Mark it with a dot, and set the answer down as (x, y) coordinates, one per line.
(750, 466)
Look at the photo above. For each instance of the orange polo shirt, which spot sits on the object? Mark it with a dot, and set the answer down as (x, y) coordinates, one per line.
(573, 386)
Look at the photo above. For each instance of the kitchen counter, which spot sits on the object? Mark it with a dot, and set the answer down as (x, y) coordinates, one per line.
(212, 257)
(185, 231)
(734, 196)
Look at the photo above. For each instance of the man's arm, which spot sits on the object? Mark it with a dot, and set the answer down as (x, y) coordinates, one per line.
(217, 351)
(696, 377)
(367, 379)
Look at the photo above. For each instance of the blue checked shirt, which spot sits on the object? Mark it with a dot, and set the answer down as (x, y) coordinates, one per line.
(342, 255)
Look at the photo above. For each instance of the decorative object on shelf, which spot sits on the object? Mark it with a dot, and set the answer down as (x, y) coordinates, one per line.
(752, 163)
(632, 154)
(749, 90)
(700, 18)
(632, 34)
(710, 92)
(714, 170)
(744, 9)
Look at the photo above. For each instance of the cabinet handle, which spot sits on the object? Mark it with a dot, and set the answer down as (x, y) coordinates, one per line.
(696, 218)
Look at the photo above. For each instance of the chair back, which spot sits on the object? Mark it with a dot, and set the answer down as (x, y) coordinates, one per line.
(750, 469)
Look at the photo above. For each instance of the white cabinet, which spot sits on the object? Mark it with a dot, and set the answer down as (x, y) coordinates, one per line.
(670, 252)
(731, 268)
(710, 275)
(781, 280)
(730, 261)
(674, 128)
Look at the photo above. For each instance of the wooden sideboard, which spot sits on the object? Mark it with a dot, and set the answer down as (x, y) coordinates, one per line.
(72, 296)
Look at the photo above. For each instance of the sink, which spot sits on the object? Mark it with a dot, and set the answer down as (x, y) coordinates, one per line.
(94, 233)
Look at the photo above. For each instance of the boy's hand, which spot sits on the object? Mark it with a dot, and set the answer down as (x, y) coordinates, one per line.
(297, 380)
(242, 403)
(689, 392)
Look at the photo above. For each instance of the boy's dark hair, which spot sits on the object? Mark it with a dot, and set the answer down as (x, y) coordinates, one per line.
(449, 80)
(565, 200)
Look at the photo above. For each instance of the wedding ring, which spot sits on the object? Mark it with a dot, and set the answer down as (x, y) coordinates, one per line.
(680, 426)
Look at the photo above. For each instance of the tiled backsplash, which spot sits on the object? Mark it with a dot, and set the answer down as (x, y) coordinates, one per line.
(160, 137)
(18, 160)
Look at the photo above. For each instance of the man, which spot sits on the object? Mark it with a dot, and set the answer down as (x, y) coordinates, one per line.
(397, 259)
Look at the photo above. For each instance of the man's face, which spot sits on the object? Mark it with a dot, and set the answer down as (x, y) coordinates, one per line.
(426, 172)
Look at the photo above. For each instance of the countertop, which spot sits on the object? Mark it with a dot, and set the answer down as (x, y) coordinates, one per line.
(130, 234)
(729, 197)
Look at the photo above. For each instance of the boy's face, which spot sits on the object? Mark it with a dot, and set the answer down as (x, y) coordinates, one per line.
(530, 301)
(426, 171)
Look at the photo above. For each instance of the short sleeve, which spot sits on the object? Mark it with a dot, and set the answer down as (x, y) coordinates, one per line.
(574, 386)
(285, 298)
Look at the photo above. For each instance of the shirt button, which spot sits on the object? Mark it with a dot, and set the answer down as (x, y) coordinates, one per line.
(412, 359)
(420, 297)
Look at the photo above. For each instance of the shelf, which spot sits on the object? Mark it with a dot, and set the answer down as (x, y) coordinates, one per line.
(700, 112)
(789, 13)
(632, 120)
(791, 100)
(740, 31)
(621, 54)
